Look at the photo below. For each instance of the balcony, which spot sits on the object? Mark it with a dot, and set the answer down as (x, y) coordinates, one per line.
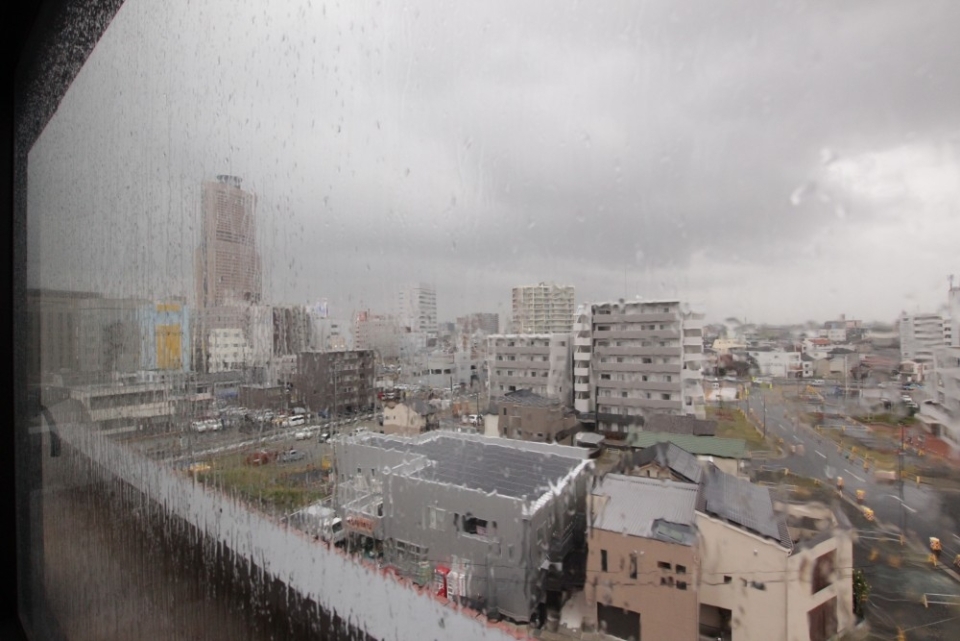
(645, 403)
(638, 317)
(638, 351)
(561, 543)
(581, 371)
(646, 386)
(658, 368)
(638, 333)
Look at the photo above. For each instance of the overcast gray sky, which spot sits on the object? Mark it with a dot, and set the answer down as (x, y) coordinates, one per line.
(778, 161)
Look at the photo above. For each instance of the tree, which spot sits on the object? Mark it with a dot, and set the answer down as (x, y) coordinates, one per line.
(861, 592)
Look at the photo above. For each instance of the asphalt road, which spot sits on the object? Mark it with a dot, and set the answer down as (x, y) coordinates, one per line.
(920, 513)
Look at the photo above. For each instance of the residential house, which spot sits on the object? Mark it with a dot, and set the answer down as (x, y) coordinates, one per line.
(664, 460)
(642, 564)
(725, 453)
(771, 572)
(720, 558)
(409, 418)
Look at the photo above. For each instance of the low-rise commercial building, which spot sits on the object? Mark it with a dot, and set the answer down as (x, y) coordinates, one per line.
(527, 416)
(495, 518)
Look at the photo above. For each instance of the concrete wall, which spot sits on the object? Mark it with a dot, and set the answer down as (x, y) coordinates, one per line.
(531, 423)
(385, 608)
(758, 613)
(802, 599)
(666, 612)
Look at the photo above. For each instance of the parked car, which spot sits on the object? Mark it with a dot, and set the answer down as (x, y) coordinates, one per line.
(301, 435)
(291, 455)
(324, 437)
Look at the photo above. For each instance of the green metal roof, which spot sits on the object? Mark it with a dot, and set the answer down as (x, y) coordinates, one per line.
(699, 445)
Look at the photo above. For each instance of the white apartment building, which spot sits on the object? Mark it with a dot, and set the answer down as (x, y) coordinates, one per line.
(540, 363)
(941, 413)
(953, 305)
(227, 349)
(636, 358)
(920, 334)
(543, 309)
(417, 308)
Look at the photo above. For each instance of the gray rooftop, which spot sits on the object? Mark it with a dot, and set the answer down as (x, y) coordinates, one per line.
(742, 503)
(527, 398)
(671, 456)
(649, 508)
(486, 464)
(670, 424)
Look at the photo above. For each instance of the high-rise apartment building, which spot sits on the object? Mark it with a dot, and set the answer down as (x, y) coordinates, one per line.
(636, 358)
(543, 309)
(417, 308)
(228, 269)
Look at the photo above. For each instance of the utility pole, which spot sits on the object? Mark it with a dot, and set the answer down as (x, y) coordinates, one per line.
(763, 399)
(903, 514)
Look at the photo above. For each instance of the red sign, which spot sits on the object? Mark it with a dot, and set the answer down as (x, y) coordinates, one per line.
(360, 524)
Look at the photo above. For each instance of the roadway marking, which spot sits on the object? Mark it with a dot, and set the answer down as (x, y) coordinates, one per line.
(857, 477)
(821, 454)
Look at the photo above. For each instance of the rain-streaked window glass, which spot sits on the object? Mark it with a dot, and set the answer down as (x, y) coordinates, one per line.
(275, 252)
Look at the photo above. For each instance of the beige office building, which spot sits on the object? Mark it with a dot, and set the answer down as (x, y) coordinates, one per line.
(228, 268)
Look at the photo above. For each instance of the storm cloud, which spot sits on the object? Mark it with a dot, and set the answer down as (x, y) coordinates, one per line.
(773, 160)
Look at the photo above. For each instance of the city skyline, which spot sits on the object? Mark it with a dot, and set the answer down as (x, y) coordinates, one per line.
(769, 178)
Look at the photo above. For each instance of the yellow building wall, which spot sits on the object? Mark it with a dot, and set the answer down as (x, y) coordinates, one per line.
(169, 338)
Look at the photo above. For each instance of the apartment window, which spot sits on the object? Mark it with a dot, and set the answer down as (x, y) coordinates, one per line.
(665, 397)
(669, 378)
(473, 525)
(823, 571)
(647, 360)
(633, 565)
(435, 517)
(663, 565)
(603, 560)
(681, 569)
(681, 585)
(727, 579)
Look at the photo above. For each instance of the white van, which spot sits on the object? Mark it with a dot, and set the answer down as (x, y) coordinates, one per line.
(297, 420)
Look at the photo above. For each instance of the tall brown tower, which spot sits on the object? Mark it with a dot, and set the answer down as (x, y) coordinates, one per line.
(228, 269)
